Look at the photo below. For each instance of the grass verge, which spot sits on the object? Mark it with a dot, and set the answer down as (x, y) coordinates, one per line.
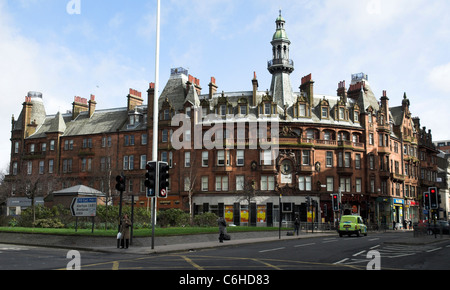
(147, 232)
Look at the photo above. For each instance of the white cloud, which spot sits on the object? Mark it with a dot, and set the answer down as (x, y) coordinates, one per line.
(439, 78)
(60, 73)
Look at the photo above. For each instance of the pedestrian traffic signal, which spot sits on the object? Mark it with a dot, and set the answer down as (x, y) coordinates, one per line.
(433, 198)
(120, 185)
(150, 178)
(335, 202)
(426, 200)
(163, 174)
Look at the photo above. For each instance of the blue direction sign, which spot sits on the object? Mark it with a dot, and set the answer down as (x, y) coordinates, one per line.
(84, 206)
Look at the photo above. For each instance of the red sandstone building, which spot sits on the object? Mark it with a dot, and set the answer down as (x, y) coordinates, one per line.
(238, 154)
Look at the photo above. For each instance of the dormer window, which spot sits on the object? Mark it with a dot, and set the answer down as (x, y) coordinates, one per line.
(223, 110)
(133, 119)
(341, 112)
(356, 113)
(325, 112)
(355, 116)
(167, 111)
(324, 109)
(267, 106)
(205, 107)
(223, 106)
(243, 109)
(188, 112)
(166, 114)
(243, 106)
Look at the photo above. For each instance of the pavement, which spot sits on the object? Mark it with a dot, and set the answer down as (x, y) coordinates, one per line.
(170, 244)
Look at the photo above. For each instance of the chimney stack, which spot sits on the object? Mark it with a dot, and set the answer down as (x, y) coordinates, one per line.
(307, 86)
(79, 105)
(92, 104)
(134, 99)
(341, 91)
(255, 88)
(385, 106)
(212, 87)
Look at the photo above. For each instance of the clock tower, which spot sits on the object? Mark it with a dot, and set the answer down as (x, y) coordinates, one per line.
(281, 66)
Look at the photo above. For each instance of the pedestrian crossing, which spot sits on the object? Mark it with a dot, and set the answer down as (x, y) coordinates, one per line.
(387, 251)
(9, 248)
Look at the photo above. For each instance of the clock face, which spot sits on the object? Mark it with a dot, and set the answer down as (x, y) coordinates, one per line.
(286, 167)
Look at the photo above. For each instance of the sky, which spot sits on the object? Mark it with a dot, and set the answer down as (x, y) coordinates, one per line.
(67, 48)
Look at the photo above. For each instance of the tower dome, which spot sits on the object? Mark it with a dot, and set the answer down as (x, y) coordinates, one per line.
(281, 66)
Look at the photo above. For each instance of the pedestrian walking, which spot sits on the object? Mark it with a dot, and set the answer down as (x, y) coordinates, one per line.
(222, 228)
(296, 225)
(125, 225)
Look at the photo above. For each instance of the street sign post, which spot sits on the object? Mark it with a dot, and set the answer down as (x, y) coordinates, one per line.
(84, 207)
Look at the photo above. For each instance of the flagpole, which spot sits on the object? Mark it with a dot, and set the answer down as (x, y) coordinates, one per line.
(155, 115)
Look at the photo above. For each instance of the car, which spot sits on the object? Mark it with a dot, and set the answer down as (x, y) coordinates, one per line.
(352, 224)
(438, 228)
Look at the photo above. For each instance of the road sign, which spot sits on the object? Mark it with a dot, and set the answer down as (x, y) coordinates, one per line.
(163, 192)
(84, 206)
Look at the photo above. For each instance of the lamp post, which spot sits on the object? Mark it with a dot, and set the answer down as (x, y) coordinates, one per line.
(280, 218)
(155, 115)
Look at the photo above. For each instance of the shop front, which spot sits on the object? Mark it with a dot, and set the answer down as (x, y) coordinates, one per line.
(262, 211)
(398, 212)
(412, 210)
(383, 212)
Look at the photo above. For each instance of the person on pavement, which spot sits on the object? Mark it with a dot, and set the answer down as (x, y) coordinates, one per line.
(125, 231)
(222, 228)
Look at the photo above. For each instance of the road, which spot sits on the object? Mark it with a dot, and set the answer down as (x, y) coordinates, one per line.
(376, 251)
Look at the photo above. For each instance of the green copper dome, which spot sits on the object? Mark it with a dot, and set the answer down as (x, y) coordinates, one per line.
(280, 34)
(280, 18)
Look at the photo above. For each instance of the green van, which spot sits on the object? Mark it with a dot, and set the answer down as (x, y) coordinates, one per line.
(352, 224)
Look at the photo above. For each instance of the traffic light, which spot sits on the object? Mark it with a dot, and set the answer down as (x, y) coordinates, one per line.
(335, 202)
(163, 174)
(433, 198)
(120, 186)
(150, 178)
(426, 200)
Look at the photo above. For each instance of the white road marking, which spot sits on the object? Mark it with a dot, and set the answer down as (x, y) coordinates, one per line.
(270, 250)
(302, 245)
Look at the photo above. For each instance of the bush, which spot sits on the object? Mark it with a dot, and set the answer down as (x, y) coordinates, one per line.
(12, 223)
(41, 212)
(48, 223)
(173, 218)
(207, 219)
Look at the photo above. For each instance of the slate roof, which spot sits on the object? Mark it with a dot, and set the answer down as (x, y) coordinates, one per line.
(175, 90)
(102, 121)
(106, 121)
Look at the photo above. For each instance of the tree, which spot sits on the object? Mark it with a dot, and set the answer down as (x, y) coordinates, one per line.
(3, 188)
(249, 192)
(30, 186)
(189, 178)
